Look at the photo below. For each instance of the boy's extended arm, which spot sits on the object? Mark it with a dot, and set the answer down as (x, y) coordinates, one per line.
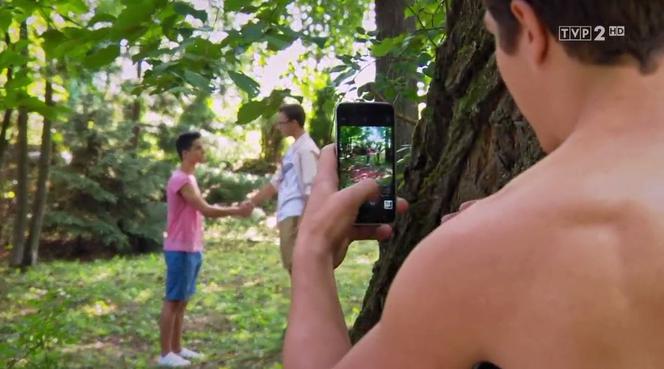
(268, 191)
(211, 211)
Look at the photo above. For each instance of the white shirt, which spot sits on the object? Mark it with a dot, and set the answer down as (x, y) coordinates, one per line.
(293, 180)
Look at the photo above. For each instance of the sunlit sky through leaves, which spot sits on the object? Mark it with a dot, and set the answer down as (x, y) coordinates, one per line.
(271, 75)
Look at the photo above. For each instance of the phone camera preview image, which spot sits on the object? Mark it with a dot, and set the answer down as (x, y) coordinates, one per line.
(365, 149)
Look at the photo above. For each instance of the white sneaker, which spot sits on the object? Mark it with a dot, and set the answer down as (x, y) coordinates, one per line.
(172, 360)
(188, 354)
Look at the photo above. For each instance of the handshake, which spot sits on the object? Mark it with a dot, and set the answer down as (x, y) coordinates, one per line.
(244, 209)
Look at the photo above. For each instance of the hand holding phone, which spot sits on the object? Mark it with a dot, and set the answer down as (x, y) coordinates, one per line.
(329, 222)
(365, 150)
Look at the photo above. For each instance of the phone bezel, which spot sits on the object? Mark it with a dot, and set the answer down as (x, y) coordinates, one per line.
(356, 114)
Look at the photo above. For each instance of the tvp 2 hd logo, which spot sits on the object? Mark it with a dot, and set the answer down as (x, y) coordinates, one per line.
(589, 33)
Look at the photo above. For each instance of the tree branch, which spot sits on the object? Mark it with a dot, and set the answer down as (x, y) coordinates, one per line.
(381, 98)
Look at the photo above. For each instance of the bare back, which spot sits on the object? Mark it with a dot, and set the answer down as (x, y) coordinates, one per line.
(583, 262)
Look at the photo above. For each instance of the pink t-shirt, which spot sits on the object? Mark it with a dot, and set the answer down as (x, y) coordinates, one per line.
(185, 223)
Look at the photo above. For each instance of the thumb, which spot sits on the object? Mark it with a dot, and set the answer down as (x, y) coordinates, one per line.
(359, 193)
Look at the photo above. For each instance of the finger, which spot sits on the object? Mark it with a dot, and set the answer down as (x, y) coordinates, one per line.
(402, 205)
(466, 205)
(380, 232)
(354, 196)
(447, 217)
(326, 180)
(327, 176)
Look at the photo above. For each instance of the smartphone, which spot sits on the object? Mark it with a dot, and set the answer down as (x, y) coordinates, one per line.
(365, 149)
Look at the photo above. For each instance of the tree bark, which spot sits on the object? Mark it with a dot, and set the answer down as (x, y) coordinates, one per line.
(39, 205)
(390, 22)
(6, 120)
(136, 112)
(470, 142)
(271, 143)
(20, 221)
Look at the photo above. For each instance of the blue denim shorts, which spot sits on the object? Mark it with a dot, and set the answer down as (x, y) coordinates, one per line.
(181, 273)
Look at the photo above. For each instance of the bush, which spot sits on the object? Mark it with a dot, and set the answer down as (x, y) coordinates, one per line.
(31, 342)
(224, 186)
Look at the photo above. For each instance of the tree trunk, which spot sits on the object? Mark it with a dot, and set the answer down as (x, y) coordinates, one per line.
(470, 142)
(4, 141)
(21, 219)
(136, 112)
(390, 22)
(271, 142)
(39, 205)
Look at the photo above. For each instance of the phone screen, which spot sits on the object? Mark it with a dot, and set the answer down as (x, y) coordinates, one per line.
(365, 150)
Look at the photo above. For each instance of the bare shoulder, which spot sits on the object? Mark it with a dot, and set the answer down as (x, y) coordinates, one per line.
(485, 264)
(552, 249)
(464, 278)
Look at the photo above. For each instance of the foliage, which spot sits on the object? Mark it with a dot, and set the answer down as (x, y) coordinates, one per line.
(414, 51)
(108, 193)
(321, 123)
(32, 342)
(105, 190)
(110, 308)
(224, 186)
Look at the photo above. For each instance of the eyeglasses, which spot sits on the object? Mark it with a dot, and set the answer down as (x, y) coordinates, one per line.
(283, 122)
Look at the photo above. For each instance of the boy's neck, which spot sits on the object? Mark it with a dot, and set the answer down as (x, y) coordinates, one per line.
(188, 167)
(298, 134)
(623, 104)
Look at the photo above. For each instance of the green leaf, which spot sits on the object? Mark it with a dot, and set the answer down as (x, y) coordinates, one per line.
(250, 111)
(385, 46)
(98, 35)
(185, 9)
(133, 15)
(424, 59)
(319, 41)
(185, 32)
(167, 26)
(11, 58)
(343, 76)
(52, 39)
(203, 47)
(248, 85)
(5, 19)
(101, 17)
(34, 104)
(102, 57)
(74, 6)
(338, 69)
(197, 80)
(234, 5)
(252, 32)
(278, 42)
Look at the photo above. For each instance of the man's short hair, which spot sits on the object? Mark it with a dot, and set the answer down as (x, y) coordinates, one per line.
(294, 112)
(643, 22)
(185, 141)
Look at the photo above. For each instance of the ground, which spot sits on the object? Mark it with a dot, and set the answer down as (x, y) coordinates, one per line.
(358, 170)
(103, 314)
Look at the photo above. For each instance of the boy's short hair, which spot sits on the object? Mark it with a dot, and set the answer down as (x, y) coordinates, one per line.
(643, 22)
(293, 111)
(185, 141)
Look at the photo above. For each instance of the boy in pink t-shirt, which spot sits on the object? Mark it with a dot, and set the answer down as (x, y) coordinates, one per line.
(184, 245)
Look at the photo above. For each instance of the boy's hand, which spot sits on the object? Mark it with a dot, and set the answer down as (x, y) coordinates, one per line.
(245, 209)
(327, 227)
(462, 207)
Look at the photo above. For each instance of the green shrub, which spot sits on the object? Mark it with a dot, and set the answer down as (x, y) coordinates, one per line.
(33, 341)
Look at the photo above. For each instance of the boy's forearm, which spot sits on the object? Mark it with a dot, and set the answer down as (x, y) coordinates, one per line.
(215, 211)
(265, 193)
(317, 336)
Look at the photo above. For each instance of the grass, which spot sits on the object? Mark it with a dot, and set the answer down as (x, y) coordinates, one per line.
(103, 314)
